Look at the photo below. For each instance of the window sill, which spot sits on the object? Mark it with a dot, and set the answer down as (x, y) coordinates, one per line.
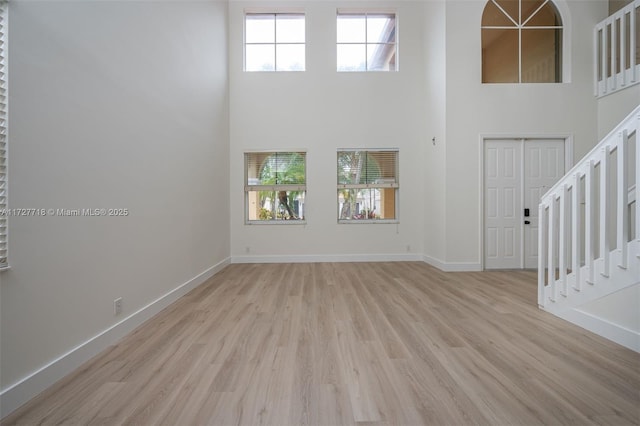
(368, 221)
(275, 222)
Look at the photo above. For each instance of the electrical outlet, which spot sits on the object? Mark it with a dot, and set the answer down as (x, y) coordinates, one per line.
(408, 248)
(117, 306)
(247, 249)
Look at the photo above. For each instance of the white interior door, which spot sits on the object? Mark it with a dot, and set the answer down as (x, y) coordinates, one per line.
(543, 166)
(503, 204)
(517, 173)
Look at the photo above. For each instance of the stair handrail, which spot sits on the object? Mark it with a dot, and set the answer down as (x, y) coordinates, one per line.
(593, 152)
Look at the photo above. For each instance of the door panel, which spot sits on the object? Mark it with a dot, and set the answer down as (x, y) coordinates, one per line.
(503, 189)
(543, 167)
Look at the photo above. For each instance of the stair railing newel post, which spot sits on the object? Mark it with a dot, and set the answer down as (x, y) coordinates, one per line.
(542, 248)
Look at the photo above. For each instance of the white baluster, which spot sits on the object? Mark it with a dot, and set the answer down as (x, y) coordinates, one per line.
(589, 216)
(551, 280)
(638, 179)
(605, 50)
(623, 200)
(575, 230)
(632, 46)
(612, 54)
(623, 46)
(562, 246)
(604, 211)
(596, 59)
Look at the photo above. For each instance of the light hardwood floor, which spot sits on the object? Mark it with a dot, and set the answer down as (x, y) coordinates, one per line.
(351, 343)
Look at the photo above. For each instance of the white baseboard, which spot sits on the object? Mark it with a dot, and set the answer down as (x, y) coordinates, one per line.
(397, 257)
(408, 257)
(24, 390)
(614, 332)
(452, 266)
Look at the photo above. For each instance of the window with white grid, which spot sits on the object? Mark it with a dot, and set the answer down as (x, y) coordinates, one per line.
(366, 41)
(274, 42)
(521, 42)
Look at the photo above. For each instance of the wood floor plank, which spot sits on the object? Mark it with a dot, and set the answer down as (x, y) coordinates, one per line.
(397, 343)
(356, 374)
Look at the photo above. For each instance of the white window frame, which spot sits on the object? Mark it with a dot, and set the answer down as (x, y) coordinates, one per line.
(4, 258)
(565, 46)
(365, 14)
(253, 187)
(275, 42)
(382, 185)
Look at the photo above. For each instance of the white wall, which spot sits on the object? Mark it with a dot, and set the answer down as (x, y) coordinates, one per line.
(438, 92)
(435, 186)
(112, 105)
(614, 108)
(473, 109)
(321, 110)
(621, 308)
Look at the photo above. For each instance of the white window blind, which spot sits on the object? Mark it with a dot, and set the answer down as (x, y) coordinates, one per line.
(275, 186)
(3, 135)
(366, 169)
(367, 185)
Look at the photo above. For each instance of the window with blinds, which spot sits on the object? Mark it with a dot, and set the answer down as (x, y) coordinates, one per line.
(368, 186)
(275, 186)
(3, 136)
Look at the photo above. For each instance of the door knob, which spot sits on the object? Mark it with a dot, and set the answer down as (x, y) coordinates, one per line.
(527, 222)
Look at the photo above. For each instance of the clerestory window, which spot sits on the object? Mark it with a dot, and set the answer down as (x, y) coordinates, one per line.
(274, 42)
(521, 42)
(366, 41)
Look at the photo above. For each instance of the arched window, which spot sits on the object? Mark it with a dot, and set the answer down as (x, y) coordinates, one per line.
(521, 42)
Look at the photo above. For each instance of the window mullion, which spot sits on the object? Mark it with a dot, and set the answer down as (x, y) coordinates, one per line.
(526, 56)
(366, 42)
(275, 42)
(534, 13)
(519, 54)
(505, 13)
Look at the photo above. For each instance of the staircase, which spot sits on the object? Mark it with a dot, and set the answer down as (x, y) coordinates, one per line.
(589, 233)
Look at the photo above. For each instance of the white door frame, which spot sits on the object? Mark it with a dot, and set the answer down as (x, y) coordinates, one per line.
(568, 165)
